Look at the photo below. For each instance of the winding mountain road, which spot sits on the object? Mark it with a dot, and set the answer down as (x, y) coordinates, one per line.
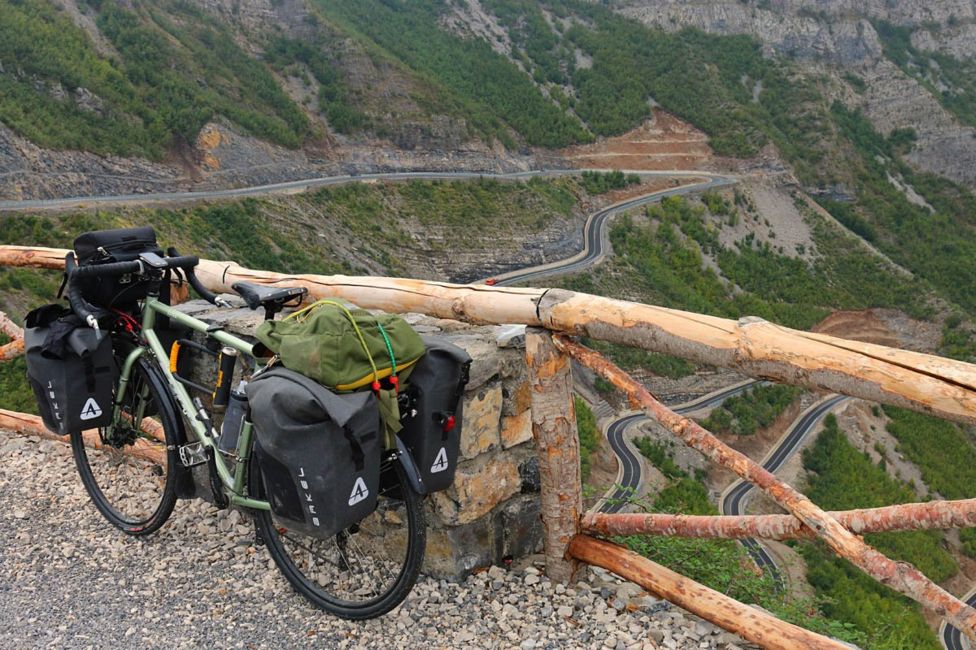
(733, 500)
(303, 185)
(594, 232)
(950, 636)
(629, 475)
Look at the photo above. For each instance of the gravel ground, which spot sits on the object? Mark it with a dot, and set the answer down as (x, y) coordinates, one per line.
(69, 580)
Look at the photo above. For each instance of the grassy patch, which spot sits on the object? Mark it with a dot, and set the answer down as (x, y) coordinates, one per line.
(603, 182)
(842, 478)
(589, 435)
(660, 261)
(724, 565)
(744, 414)
(176, 69)
(943, 451)
(490, 91)
(661, 457)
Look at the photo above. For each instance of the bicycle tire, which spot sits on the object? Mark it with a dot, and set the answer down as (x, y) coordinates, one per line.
(134, 493)
(394, 496)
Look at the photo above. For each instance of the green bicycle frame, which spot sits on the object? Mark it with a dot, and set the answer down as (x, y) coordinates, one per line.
(232, 481)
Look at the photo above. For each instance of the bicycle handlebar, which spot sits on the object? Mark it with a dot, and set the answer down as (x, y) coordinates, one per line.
(89, 313)
(192, 277)
(79, 305)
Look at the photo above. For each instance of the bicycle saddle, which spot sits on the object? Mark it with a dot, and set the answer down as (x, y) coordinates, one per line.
(257, 295)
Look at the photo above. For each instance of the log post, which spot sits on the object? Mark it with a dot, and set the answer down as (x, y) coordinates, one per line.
(748, 622)
(900, 576)
(907, 516)
(557, 443)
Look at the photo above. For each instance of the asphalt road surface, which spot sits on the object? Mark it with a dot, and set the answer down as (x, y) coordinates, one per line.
(952, 638)
(629, 477)
(594, 238)
(292, 187)
(734, 499)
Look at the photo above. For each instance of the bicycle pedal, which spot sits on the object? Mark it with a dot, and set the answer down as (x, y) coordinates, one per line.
(193, 454)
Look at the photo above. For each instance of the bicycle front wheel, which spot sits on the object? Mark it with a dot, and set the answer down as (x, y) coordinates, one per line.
(367, 569)
(129, 467)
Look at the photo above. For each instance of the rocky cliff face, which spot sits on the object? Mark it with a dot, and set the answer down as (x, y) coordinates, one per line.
(841, 35)
(836, 31)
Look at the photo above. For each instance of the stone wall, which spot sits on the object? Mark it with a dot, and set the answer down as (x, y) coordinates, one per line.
(492, 511)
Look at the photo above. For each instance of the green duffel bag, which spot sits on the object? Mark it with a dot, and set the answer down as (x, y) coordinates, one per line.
(347, 350)
(341, 348)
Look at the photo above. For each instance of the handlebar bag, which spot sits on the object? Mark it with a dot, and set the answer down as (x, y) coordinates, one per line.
(119, 245)
(431, 408)
(318, 451)
(71, 369)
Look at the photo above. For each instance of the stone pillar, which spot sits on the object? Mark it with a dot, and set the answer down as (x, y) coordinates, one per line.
(491, 512)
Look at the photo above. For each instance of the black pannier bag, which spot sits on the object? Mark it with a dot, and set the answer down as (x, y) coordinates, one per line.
(71, 370)
(107, 246)
(318, 451)
(432, 412)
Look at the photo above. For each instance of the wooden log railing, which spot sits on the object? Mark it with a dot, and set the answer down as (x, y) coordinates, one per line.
(924, 383)
(14, 347)
(907, 516)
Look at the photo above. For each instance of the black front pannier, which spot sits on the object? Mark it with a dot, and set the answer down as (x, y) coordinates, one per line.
(432, 412)
(71, 369)
(318, 451)
(121, 245)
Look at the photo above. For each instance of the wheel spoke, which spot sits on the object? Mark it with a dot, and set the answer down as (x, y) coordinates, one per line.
(359, 573)
(127, 471)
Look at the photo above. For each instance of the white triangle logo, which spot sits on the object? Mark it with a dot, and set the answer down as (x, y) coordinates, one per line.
(440, 463)
(91, 409)
(359, 491)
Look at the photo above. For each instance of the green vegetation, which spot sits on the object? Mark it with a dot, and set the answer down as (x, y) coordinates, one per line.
(705, 79)
(724, 565)
(842, 478)
(660, 261)
(603, 182)
(744, 414)
(660, 456)
(147, 99)
(636, 359)
(16, 395)
(335, 100)
(489, 90)
(936, 246)
(950, 80)
(941, 450)
(589, 434)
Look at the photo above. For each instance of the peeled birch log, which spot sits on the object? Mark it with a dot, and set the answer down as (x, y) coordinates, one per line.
(925, 383)
(748, 622)
(901, 576)
(15, 347)
(908, 516)
(557, 442)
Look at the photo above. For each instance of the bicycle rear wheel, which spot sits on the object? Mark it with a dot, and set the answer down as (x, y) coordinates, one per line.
(364, 571)
(129, 467)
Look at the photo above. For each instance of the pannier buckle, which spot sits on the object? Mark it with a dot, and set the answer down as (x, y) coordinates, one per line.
(193, 454)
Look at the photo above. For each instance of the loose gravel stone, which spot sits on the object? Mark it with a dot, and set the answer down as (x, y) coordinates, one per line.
(70, 580)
